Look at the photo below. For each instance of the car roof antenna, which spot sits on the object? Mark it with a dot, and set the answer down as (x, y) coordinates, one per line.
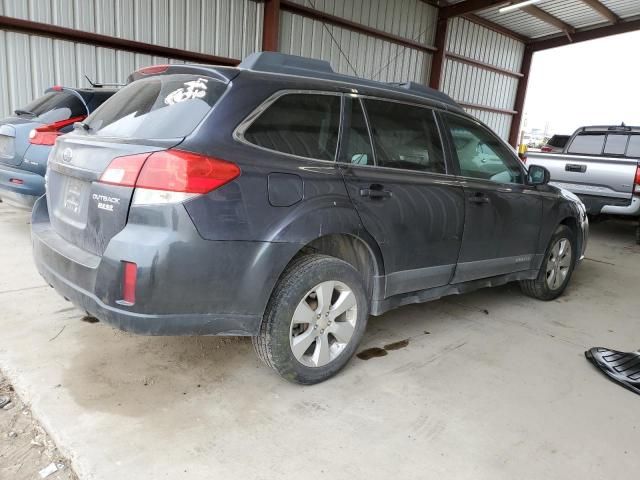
(100, 85)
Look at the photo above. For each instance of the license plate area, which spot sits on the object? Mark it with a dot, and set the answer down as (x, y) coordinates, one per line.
(74, 196)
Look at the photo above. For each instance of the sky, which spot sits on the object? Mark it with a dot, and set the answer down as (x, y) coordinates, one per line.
(589, 83)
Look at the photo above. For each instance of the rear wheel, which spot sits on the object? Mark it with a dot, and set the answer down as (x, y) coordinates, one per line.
(556, 269)
(314, 321)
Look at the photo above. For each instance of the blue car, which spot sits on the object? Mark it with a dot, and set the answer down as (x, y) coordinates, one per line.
(27, 138)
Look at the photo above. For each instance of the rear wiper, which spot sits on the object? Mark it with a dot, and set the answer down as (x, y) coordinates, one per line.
(25, 112)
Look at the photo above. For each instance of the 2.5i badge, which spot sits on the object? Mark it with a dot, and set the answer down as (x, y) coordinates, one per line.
(105, 202)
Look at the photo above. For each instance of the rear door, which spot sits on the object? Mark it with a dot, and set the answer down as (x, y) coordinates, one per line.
(402, 192)
(151, 114)
(503, 215)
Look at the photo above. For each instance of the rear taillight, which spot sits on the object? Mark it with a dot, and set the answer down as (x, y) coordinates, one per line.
(169, 176)
(129, 278)
(636, 187)
(47, 134)
(546, 149)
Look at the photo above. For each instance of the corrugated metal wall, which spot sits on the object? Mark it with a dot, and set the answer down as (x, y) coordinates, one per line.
(29, 64)
(358, 54)
(233, 28)
(476, 85)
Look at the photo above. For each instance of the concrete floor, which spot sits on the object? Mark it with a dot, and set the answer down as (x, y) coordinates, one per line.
(498, 388)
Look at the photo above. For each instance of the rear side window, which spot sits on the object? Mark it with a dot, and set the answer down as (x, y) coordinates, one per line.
(616, 144)
(587, 144)
(304, 124)
(357, 144)
(54, 107)
(165, 106)
(633, 150)
(405, 136)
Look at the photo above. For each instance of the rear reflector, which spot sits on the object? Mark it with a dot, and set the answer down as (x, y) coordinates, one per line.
(129, 277)
(169, 176)
(47, 134)
(154, 69)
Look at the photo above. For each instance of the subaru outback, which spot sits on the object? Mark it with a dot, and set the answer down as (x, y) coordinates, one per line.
(285, 202)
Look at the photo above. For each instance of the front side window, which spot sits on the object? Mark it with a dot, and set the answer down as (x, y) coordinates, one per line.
(301, 124)
(616, 144)
(405, 136)
(587, 144)
(481, 154)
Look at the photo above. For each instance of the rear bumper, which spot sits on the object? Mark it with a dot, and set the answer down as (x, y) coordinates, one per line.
(185, 285)
(631, 210)
(24, 194)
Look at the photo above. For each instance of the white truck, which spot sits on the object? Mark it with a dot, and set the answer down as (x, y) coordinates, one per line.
(600, 164)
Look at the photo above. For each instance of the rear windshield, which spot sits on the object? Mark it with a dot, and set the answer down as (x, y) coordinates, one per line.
(166, 106)
(53, 107)
(558, 141)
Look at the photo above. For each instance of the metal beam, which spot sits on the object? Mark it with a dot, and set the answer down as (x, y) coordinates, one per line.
(521, 94)
(483, 65)
(584, 35)
(602, 10)
(495, 27)
(437, 61)
(548, 18)
(271, 26)
(469, 6)
(298, 9)
(63, 33)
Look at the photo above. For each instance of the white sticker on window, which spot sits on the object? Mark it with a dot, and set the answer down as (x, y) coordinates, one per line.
(191, 90)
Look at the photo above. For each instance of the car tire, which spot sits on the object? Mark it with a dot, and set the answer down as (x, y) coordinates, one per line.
(305, 337)
(556, 269)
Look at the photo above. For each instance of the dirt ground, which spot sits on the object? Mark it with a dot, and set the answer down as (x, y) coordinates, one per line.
(25, 448)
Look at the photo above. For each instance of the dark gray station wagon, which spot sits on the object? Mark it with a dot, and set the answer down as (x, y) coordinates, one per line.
(286, 202)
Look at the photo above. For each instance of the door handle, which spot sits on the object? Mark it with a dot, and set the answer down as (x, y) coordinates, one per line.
(479, 198)
(375, 191)
(573, 167)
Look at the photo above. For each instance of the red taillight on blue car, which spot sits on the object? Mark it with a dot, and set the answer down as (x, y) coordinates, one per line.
(47, 134)
(169, 176)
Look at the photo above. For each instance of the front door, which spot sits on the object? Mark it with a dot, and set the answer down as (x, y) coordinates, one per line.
(399, 186)
(503, 214)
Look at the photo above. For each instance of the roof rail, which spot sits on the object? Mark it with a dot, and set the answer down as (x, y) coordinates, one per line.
(280, 63)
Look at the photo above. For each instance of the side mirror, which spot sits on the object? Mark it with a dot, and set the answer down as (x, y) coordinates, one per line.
(538, 175)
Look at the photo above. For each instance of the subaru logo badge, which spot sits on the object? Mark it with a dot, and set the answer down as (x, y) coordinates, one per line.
(67, 155)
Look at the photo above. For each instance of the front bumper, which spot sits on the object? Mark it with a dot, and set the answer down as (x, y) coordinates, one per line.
(22, 195)
(185, 285)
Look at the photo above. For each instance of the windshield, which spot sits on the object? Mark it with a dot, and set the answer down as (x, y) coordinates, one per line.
(54, 107)
(160, 107)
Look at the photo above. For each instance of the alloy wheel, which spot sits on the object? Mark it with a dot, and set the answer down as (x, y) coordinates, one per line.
(323, 323)
(559, 263)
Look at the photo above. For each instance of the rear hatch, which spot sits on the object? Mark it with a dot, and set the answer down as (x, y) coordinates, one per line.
(149, 115)
(56, 106)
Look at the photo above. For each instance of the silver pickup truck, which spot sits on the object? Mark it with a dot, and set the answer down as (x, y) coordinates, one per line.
(600, 165)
